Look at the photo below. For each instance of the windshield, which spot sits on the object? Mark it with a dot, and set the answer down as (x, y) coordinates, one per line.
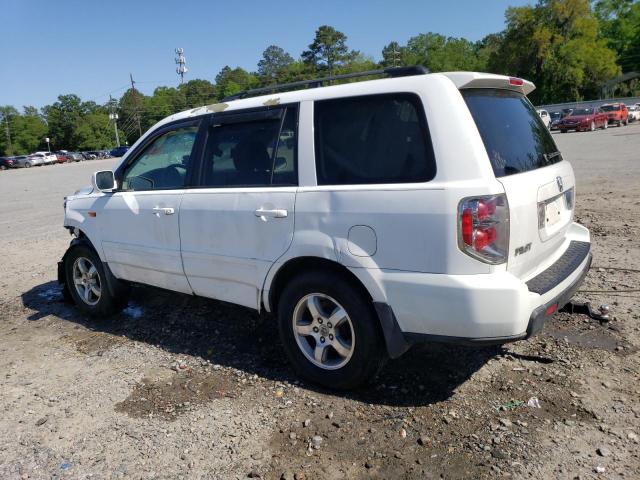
(556, 115)
(610, 108)
(582, 111)
(515, 137)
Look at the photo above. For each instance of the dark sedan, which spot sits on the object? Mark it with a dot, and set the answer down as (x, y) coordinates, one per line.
(118, 151)
(6, 163)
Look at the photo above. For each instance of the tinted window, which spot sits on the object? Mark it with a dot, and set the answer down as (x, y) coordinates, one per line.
(163, 164)
(372, 139)
(513, 134)
(582, 111)
(610, 108)
(252, 153)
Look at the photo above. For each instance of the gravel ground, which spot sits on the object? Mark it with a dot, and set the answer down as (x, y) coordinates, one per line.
(181, 387)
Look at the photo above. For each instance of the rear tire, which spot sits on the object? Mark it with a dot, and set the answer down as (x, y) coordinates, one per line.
(27, 165)
(86, 281)
(344, 354)
(592, 127)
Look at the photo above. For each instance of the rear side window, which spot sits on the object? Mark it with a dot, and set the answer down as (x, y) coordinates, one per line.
(372, 139)
(256, 153)
(515, 137)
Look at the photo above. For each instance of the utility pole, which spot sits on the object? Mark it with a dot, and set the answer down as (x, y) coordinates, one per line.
(396, 56)
(181, 69)
(135, 99)
(114, 116)
(8, 132)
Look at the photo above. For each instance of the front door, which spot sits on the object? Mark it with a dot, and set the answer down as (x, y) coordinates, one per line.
(239, 219)
(140, 227)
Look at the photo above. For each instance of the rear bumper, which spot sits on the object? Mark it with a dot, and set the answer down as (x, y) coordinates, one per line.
(480, 309)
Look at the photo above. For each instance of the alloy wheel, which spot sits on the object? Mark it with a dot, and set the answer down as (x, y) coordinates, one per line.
(323, 331)
(86, 281)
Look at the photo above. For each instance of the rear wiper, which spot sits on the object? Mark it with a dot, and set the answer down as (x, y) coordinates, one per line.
(550, 156)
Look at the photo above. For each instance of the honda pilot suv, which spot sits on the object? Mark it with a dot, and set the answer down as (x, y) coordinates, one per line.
(365, 217)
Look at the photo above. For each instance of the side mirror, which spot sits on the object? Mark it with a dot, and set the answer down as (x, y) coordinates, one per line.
(103, 181)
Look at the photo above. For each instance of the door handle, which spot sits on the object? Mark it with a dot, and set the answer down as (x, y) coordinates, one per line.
(166, 210)
(273, 213)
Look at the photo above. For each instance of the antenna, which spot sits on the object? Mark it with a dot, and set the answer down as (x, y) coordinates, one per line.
(181, 69)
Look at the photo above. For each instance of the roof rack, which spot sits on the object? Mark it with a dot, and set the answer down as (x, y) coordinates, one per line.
(319, 82)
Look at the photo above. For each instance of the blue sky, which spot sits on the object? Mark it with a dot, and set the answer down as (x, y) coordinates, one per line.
(89, 47)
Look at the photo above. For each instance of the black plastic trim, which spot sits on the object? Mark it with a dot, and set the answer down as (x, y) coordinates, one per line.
(394, 339)
(539, 316)
(553, 276)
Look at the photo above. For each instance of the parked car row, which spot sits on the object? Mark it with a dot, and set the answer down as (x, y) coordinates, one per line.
(591, 118)
(38, 159)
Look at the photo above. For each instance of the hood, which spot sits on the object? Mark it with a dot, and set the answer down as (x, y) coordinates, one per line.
(83, 191)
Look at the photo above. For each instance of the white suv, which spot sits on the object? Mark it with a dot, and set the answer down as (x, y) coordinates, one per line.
(366, 217)
(47, 157)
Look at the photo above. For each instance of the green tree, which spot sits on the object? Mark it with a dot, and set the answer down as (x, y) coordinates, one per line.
(444, 54)
(328, 50)
(131, 110)
(28, 132)
(234, 80)
(94, 132)
(273, 64)
(7, 117)
(165, 101)
(556, 45)
(62, 117)
(393, 55)
(619, 22)
(196, 93)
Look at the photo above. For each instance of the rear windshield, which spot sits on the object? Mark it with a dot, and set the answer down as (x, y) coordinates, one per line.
(515, 137)
(610, 108)
(582, 111)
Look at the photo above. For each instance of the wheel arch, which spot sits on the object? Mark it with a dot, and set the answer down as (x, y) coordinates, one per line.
(395, 342)
(298, 265)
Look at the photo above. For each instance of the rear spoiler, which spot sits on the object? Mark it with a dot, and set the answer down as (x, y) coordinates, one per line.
(489, 80)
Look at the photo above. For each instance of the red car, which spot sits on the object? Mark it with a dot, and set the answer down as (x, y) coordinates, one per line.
(583, 119)
(618, 113)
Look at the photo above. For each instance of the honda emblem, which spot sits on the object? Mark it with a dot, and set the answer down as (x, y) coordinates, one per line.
(560, 185)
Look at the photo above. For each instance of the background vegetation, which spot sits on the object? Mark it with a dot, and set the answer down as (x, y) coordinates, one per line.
(568, 48)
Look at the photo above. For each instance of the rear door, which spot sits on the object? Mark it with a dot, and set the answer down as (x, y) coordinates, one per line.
(538, 183)
(239, 218)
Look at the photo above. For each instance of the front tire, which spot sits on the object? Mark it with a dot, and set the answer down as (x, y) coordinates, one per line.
(592, 127)
(86, 281)
(329, 331)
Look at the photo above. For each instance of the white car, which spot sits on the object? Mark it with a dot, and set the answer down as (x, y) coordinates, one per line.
(47, 158)
(546, 118)
(634, 113)
(365, 217)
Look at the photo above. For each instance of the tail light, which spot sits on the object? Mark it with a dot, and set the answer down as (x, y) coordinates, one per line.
(483, 228)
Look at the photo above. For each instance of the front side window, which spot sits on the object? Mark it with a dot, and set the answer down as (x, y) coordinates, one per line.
(163, 164)
(255, 153)
(372, 139)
